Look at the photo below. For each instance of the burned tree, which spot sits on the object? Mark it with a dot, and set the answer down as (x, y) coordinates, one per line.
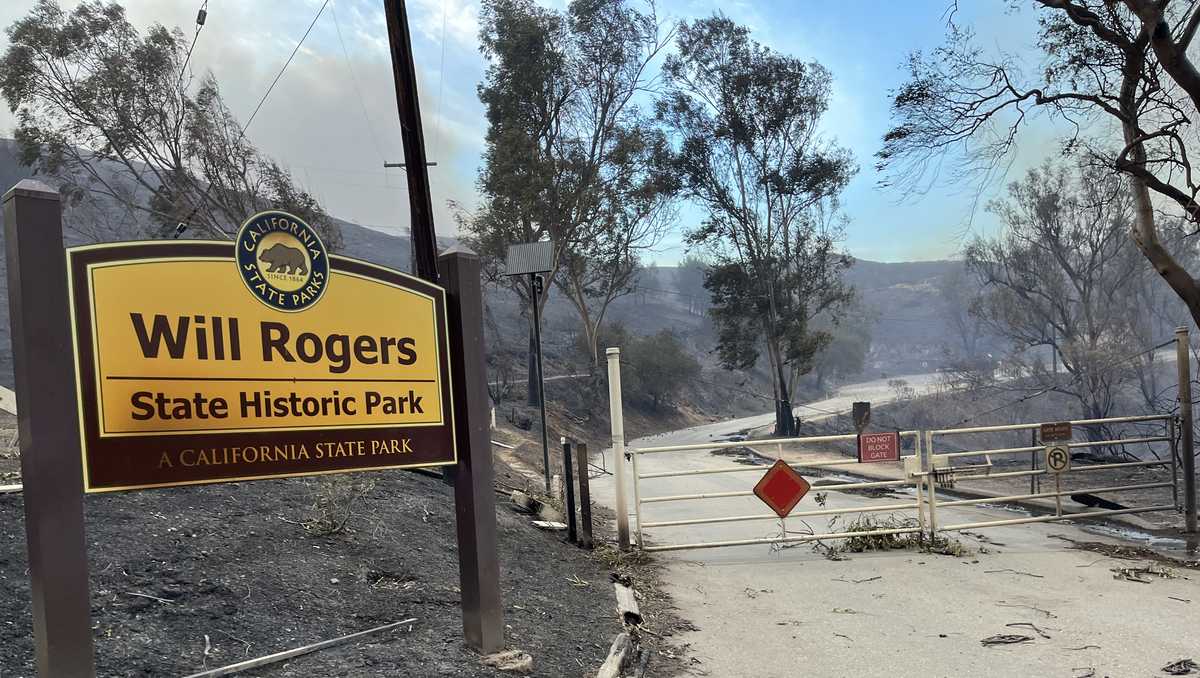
(1117, 73)
(1057, 282)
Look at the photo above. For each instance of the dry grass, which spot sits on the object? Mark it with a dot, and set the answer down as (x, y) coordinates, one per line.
(334, 498)
(836, 549)
(620, 561)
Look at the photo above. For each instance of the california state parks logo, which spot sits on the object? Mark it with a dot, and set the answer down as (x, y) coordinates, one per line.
(282, 260)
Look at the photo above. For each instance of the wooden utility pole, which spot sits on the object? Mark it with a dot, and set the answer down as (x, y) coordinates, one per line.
(424, 238)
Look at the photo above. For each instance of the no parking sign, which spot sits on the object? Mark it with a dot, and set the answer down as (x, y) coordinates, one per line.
(1058, 458)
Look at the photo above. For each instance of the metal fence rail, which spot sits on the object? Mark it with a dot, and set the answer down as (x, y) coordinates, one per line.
(925, 471)
(939, 469)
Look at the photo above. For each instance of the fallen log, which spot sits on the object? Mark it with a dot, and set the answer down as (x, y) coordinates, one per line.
(627, 606)
(618, 657)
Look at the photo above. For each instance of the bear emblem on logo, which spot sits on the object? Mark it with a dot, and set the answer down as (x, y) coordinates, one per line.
(282, 260)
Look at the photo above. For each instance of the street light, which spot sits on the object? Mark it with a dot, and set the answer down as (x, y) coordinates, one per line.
(533, 259)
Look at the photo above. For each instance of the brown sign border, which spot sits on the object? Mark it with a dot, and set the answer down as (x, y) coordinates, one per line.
(894, 435)
(108, 461)
(1059, 431)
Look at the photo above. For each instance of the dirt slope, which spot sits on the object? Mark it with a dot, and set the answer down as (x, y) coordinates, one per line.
(238, 574)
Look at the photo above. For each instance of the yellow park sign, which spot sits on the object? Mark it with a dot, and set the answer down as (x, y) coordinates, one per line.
(266, 357)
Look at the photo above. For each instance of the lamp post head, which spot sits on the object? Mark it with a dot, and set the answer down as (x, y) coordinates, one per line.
(530, 257)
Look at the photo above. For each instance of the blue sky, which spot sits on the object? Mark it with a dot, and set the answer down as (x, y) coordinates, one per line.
(332, 118)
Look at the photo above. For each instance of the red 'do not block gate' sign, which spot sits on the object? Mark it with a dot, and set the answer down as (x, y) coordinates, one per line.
(781, 488)
(879, 447)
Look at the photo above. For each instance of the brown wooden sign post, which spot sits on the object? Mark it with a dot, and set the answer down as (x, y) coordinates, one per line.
(201, 362)
(50, 462)
(585, 497)
(474, 496)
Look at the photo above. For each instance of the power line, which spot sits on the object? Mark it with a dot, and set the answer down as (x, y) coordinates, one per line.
(200, 17)
(280, 74)
(357, 90)
(437, 130)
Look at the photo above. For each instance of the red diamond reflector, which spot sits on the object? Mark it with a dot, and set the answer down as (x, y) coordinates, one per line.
(781, 488)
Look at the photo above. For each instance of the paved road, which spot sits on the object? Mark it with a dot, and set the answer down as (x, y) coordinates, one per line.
(766, 613)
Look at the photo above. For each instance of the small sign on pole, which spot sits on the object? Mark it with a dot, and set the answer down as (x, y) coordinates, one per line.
(873, 447)
(535, 259)
(1056, 432)
(1058, 458)
(781, 488)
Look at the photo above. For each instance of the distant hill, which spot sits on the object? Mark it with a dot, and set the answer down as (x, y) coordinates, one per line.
(909, 332)
(873, 275)
(901, 297)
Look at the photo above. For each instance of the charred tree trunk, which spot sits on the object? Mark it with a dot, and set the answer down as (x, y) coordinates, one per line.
(1145, 230)
(784, 422)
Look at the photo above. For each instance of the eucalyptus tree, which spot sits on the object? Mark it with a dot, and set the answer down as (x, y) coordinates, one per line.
(636, 208)
(1116, 74)
(567, 147)
(105, 110)
(748, 151)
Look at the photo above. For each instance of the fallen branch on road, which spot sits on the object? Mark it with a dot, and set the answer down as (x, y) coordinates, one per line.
(1141, 574)
(1006, 639)
(1127, 552)
(1035, 628)
(1182, 667)
(1009, 569)
(1029, 607)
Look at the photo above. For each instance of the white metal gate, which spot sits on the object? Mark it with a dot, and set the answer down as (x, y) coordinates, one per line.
(970, 475)
(752, 472)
